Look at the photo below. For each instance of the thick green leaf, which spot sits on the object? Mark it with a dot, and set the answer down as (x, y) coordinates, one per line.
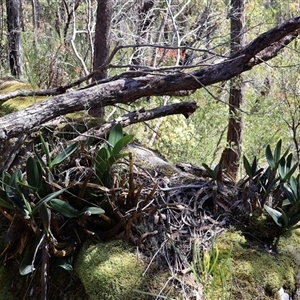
(15, 198)
(284, 219)
(286, 202)
(289, 160)
(269, 157)
(45, 215)
(123, 142)
(289, 193)
(45, 149)
(295, 186)
(115, 135)
(89, 142)
(16, 177)
(39, 158)
(62, 263)
(247, 166)
(216, 171)
(26, 266)
(34, 173)
(92, 211)
(290, 172)
(275, 214)
(47, 199)
(102, 164)
(293, 183)
(282, 167)
(106, 179)
(64, 154)
(64, 208)
(277, 151)
(209, 171)
(27, 206)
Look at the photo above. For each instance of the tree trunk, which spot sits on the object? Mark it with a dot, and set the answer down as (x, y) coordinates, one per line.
(14, 37)
(101, 45)
(232, 154)
(101, 49)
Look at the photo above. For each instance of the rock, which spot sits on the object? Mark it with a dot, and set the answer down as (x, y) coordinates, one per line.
(283, 295)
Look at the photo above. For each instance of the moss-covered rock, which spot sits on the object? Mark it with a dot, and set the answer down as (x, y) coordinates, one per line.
(109, 271)
(255, 272)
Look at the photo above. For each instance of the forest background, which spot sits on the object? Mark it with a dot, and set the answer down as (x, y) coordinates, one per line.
(143, 61)
(57, 46)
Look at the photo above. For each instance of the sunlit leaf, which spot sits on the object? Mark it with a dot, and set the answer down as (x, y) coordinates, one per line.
(62, 263)
(26, 266)
(123, 142)
(289, 193)
(115, 135)
(27, 206)
(275, 214)
(92, 211)
(64, 154)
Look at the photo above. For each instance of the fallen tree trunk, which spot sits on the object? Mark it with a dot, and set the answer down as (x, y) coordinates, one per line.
(128, 89)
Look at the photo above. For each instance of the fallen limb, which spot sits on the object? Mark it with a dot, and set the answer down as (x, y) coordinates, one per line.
(127, 90)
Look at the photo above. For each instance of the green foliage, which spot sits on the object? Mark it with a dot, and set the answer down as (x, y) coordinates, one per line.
(51, 163)
(211, 268)
(250, 169)
(213, 173)
(36, 195)
(110, 153)
(278, 182)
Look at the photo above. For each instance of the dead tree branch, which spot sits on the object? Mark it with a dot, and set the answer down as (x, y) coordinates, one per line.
(142, 115)
(127, 90)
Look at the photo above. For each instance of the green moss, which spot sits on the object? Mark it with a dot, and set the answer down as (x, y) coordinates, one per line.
(18, 103)
(5, 283)
(256, 273)
(109, 271)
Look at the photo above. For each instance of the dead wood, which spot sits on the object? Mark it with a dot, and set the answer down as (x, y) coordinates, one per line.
(144, 83)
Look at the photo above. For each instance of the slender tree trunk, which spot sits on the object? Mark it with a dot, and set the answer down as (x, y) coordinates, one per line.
(14, 37)
(102, 34)
(232, 154)
(101, 45)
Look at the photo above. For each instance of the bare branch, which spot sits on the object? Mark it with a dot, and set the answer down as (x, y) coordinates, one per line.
(142, 115)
